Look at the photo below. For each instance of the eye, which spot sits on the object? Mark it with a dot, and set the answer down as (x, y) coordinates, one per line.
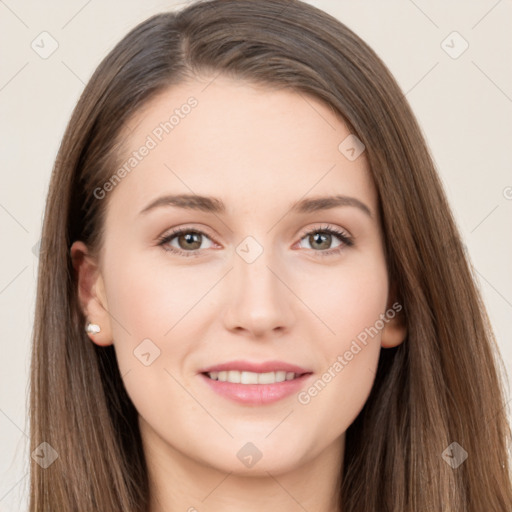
(321, 238)
(189, 241)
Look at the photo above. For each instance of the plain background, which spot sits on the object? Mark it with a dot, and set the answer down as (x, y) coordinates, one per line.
(463, 105)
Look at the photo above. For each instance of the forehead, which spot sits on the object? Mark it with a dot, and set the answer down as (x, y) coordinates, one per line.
(241, 142)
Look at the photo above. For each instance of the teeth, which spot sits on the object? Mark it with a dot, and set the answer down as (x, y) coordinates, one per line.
(237, 377)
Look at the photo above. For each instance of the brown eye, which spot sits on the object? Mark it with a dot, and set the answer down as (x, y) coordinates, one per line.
(190, 240)
(320, 241)
(186, 242)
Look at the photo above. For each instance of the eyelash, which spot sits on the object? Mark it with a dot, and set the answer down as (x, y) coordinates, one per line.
(346, 240)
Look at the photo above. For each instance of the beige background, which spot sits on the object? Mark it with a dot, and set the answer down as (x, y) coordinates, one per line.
(463, 104)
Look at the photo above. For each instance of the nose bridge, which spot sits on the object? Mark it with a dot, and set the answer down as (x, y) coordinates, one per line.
(259, 300)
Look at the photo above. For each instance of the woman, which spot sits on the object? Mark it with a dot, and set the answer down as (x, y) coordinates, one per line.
(252, 291)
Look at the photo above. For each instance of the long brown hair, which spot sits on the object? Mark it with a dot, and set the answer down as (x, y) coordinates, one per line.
(442, 385)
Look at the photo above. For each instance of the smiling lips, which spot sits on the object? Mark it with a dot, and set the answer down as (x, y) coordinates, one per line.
(245, 372)
(255, 383)
(238, 377)
(267, 366)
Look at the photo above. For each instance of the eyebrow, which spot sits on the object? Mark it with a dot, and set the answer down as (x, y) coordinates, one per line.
(214, 205)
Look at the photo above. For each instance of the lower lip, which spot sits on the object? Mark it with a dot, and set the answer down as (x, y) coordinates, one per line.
(257, 394)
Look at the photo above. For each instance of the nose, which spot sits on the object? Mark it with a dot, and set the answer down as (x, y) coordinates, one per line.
(260, 301)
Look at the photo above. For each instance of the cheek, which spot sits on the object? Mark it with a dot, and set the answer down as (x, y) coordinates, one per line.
(347, 299)
(348, 338)
(158, 309)
(362, 297)
(152, 310)
(149, 298)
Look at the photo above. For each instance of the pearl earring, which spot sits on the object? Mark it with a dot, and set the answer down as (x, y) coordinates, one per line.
(92, 328)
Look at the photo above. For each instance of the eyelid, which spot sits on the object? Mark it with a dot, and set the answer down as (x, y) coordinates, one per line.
(325, 226)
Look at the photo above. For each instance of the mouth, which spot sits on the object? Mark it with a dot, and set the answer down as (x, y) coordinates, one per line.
(255, 383)
(246, 377)
(256, 388)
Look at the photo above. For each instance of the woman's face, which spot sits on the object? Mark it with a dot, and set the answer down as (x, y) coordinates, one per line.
(253, 279)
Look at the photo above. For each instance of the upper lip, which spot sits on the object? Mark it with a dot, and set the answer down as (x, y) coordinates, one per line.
(264, 367)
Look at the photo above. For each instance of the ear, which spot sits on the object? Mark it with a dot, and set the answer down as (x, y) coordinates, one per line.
(91, 293)
(395, 328)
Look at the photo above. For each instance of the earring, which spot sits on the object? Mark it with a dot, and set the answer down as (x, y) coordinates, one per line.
(92, 328)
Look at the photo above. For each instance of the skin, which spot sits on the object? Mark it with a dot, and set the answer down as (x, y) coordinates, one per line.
(258, 150)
